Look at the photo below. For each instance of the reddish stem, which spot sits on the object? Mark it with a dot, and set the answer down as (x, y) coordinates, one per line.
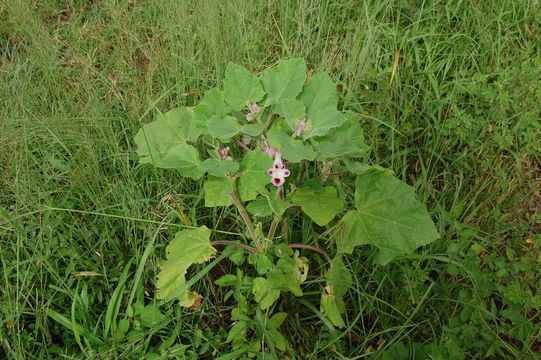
(239, 143)
(310, 247)
(232, 243)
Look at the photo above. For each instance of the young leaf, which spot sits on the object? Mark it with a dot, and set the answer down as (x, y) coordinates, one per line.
(284, 81)
(223, 127)
(277, 319)
(348, 139)
(319, 202)
(227, 280)
(217, 190)
(212, 105)
(388, 216)
(264, 294)
(254, 176)
(319, 96)
(219, 168)
(191, 246)
(241, 87)
(292, 150)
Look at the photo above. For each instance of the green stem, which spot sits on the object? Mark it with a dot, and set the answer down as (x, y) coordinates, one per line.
(244, 214)
(273, 227)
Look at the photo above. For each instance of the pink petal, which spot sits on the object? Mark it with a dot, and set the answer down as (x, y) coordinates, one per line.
(270, 172)
(286, 173)
(278, 181)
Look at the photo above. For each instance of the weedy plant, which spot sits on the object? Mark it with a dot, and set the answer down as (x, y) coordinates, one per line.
(272, 145)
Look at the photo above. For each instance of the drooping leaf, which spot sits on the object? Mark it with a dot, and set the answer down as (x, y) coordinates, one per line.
(191, 246)
(338, 282)
(329, 307)
(217, 190)
(319, 202)
(388, 216)
(241, 87)
(223, 127)
(292, 150)
(291, 110)
(319, 97)
(347, 139)
(254, 176)
(284, 81)
(213, 104)
(264, 294)
(219, 168)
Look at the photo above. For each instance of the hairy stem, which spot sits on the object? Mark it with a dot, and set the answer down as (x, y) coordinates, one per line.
(244, 214)
(232, 243)
(273, 227)
(310, 247)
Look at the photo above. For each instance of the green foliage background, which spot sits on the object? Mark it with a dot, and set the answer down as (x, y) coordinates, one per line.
(82, 225)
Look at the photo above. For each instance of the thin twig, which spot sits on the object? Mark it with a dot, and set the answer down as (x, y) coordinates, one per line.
(310, 247)
(239, 143)
(232, 243)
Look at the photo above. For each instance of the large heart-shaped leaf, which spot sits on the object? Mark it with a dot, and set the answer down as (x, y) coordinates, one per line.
(254, 175)
(292, 150)
(191, 246)
(387, 216)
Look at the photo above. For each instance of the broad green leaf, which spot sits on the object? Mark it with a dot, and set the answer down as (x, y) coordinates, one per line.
(163, 143)
(252, 129)
(179, 156)
(388, 216)
(277, 205)
(259, 207)
(292, 150)
(277, 319)
(223, 127)
(254, 175)
(278, 339)
(191, 246)
(264, 294)
(329, 307)
(319, 202)
(219, 168)
(284, 81)
(217, 190)
(291, 110)
(241, 87)
(348, 139)
(236, 331)
(212, 105)
(319, 97)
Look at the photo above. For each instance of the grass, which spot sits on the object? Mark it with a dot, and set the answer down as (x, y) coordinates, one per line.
(82, 226)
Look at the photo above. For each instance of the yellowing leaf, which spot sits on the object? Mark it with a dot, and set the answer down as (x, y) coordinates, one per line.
(191, 246)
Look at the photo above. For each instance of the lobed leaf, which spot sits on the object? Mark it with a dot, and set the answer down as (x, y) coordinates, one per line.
(292, 150)
(219, 168)
(217, 190)
(345, 140)
(254, 175)
(388, 216)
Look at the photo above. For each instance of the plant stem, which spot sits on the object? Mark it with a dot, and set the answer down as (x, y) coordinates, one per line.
(313, 248)
(273, 227)
(239, 143)
(232, 243)
(244, 214)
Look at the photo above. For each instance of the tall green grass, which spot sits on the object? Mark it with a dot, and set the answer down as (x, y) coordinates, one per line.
(458, 119)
